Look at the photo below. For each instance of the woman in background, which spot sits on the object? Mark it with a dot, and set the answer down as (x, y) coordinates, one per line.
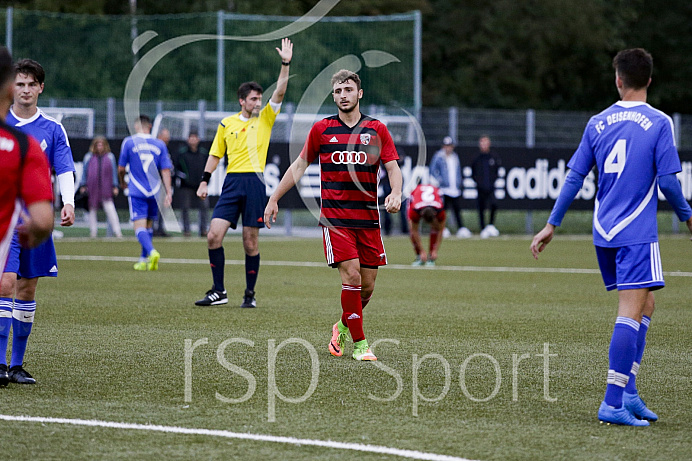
(100, 180)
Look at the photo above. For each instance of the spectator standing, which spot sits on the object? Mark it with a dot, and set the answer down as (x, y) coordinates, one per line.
(100, 181)
(484, 172)
(446, 171)
(189, 168)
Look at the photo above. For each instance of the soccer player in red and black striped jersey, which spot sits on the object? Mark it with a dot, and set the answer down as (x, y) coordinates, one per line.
(350, 147)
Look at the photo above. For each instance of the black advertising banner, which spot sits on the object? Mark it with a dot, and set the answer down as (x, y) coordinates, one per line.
(529, 179)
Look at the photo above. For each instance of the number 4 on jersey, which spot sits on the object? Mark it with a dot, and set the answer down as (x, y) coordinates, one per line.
(615, 161)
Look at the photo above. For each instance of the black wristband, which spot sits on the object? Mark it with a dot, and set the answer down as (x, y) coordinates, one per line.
(206, 176)
(284, 63)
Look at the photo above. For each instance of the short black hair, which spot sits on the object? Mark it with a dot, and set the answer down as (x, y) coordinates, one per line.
(634, 67)
(6, 66)
(248, 87)
(30, 67)
(428, 214)
(144, 119)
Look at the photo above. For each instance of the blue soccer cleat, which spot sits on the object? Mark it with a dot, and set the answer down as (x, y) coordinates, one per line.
(620, 416)
(637, 407)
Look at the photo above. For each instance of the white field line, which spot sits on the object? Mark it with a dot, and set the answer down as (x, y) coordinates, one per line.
(237, 262)
(411, 454)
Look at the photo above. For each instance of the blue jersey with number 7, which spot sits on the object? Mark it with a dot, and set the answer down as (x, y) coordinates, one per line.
(146, 156)
(631, 144)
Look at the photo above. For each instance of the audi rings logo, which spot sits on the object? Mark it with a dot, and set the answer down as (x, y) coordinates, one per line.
(349, 157)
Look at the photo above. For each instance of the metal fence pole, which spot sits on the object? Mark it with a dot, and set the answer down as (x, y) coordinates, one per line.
(202, 108)
(220, 77)
(453, 130)
(676, 125)
(110, 118)
(417, 63)
(530, 128)
(8, 28)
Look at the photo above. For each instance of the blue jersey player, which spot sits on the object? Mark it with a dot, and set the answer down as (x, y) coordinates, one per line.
(25, 266)
(146, 156)
(633, 147)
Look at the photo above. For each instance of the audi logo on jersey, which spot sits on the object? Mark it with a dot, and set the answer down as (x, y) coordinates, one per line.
(349, 157)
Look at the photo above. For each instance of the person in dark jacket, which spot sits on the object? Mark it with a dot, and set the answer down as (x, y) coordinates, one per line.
(484, 171)
(189, 168)
(100, 181)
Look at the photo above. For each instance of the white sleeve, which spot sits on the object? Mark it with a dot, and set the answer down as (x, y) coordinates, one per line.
(66, 182)
(275, 106)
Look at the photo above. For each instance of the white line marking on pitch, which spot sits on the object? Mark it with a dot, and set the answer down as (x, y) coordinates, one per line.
(237, 262)
(412, 454)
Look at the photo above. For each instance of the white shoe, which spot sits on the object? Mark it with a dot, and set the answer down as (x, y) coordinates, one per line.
(446, 234)
(463, 233)
(493, 231)
(485, 233)
(58, 234)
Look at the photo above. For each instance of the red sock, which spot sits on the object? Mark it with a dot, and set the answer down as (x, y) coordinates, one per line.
(353, 311)
(433, 239)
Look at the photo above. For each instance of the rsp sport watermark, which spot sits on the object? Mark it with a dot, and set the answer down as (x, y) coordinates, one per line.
(225, 349)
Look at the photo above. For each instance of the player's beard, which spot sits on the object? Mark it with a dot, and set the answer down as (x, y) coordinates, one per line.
(348, 110)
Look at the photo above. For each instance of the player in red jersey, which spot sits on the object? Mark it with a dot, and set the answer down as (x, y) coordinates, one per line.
(24, 181)
(350, 147)
(425, 202)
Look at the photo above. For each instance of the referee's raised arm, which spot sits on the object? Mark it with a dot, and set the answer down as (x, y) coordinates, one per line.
(286, 53)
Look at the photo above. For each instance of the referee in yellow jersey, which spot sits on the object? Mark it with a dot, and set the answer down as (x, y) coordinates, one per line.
(244, 138)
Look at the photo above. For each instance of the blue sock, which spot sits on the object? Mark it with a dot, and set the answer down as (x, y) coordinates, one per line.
(22, 320)
(145, 240)
(631, 387)
(5, 325)
(252, 264)
(623, 349)
(217, 259)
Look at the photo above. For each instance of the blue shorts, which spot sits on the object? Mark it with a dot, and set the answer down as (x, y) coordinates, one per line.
(631, 267)
(143, 208)
(31, 263)
(242, 193)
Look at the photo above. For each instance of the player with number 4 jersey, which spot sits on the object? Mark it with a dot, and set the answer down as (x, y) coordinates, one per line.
(633, 147)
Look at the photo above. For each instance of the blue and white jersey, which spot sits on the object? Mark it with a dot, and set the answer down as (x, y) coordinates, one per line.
(631, 144)
(146, 156)
(51, 136)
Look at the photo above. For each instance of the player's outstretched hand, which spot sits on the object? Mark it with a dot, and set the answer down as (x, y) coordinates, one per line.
(286, 51)
(392, 203)
(542, 239)
(67, 216)
(270, 212)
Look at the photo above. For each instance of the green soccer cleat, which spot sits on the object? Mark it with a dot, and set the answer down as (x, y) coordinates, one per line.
(417, 262)
(430, 263)
(153, 264)
(140, 266)
(363, 353)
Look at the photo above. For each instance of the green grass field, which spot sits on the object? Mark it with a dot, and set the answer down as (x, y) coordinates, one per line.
(109, 344)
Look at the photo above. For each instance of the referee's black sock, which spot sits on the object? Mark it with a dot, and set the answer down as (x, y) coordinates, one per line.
(252, 264)
(217, 260)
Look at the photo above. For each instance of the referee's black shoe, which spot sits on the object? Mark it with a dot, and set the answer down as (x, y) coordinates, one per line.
(249, 299)
(4, 377)
(213, 298)
(19, 375)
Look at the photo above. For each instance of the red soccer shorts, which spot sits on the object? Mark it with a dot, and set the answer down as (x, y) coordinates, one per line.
(414, 216)
(342, 244)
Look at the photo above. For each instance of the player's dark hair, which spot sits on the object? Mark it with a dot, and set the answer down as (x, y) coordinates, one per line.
(634, 67)
(428, 214)
(144, 120)
(6, 65)
(248, 87)
(30, 67)
(345, 75)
